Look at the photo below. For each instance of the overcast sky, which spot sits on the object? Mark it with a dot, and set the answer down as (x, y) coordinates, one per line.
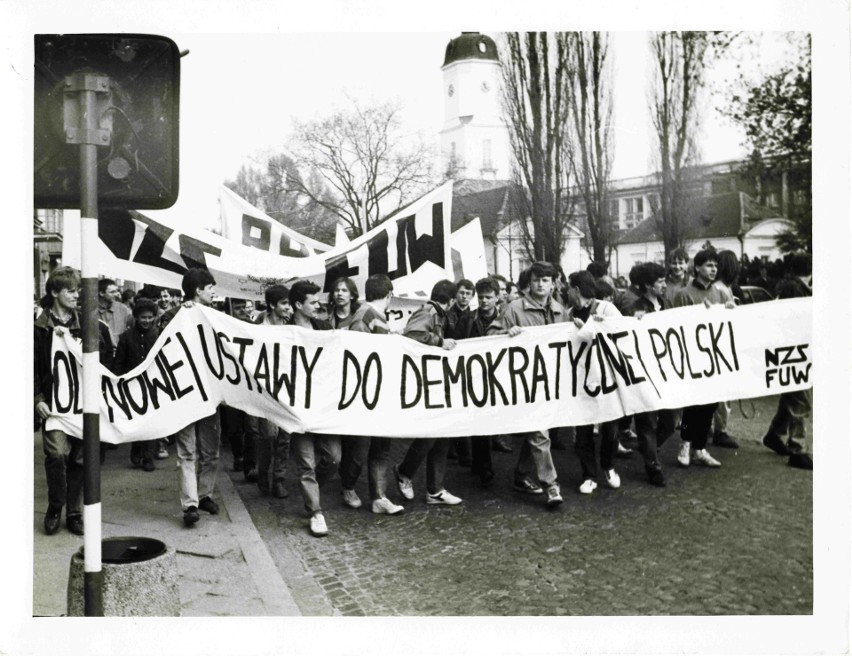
(240, 94)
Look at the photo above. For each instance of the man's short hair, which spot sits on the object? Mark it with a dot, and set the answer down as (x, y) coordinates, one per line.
(597, 269)
(196, 279)
(499, 278)
(801, 264)
(62, 278)
(603, 289)
(524, 278)
(705, 255)
(274, 294)
(634, 271)
(488, 284)
(443, 291)
(144, 305)
(464, 283)
(104, 283)
(647, 274)
(543, 269)
(678, 253)
(377, 287)
(300, 290)
(584, 282)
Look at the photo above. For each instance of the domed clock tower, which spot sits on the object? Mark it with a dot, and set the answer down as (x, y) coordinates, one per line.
(474, 137)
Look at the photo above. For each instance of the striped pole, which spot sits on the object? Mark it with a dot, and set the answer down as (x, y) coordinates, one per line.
(93, 573)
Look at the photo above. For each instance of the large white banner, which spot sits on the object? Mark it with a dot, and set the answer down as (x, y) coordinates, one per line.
(132, 246)
(352, 383)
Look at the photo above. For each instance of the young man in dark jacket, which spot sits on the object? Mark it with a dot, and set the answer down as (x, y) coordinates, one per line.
(655, 427)
(134, 344)
(63, 454)
(793, 407)
(426, 326)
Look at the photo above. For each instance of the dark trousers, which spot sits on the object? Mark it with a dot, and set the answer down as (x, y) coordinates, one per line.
(789, 420)
(481, 455)
(653, 429)
(695, 424)
(584, 447)
(434, 451)
(63, 466)
(146, 449)
(376, 452)
(237, 431)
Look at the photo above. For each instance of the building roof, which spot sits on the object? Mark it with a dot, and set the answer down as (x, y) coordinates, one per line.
(470, 45)
(495, 202)
(720, 215)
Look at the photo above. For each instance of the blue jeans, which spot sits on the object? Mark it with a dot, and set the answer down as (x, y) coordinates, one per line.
(63, 466)
(317, 458)
(198, 459)
(535, 457)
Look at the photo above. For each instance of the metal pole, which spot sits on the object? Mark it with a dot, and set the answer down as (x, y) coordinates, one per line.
(93, 573)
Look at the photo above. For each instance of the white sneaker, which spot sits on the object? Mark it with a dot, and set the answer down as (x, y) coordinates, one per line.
(385, 506)
(703, 458)
(588, 486)
(613, 479)
(351, 498)
(406, 488)
(683, 454)
(442, 498)
(162, 452)
(318, 527)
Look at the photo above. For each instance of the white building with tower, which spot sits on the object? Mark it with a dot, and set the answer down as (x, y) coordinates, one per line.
(474, 138)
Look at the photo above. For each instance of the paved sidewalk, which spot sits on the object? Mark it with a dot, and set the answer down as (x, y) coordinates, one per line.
(224, 567)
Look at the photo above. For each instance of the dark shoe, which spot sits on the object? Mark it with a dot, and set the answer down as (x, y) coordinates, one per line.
(794, 446)
(190, 516)
(263, 484)
(656, 476)
(148, 465)
(74, 524)
(135, 454)
(527, 486)
(251, 475)
(238, 464)
(801, 461)
(485, 478)
(51, 521)
(772, 441)
(501, 445)
(724, 440)
(209, 506)
(278, 489)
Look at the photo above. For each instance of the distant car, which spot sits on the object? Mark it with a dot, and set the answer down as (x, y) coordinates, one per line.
(752, 294)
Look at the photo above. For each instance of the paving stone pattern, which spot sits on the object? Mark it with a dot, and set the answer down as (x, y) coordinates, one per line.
(735, 541)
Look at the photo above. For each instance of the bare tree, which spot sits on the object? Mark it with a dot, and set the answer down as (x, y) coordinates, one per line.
(268, 186)
(591, 87)
(536, 108)
(365, 161)
(679, 60)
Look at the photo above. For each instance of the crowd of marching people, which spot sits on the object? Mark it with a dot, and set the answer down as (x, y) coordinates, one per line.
(129, 325)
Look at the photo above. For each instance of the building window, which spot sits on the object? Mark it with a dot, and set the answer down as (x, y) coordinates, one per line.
(612, 211)
(634, 212)
(486, 154)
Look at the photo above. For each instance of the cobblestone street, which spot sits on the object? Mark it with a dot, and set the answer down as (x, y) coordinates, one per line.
(735, 541)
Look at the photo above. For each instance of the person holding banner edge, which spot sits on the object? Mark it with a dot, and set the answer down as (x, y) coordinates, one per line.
(316, 456)
(198, 443)
(536, 307)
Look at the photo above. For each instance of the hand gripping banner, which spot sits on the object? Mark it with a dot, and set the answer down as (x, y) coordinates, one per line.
(353, 383)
